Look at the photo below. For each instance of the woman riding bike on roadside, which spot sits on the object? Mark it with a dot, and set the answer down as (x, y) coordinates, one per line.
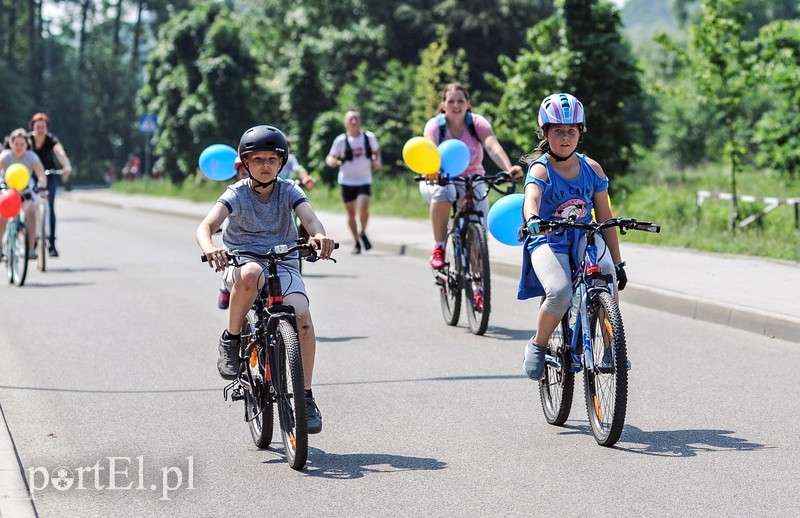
(456, 121)
(19, 153)
(49, 150)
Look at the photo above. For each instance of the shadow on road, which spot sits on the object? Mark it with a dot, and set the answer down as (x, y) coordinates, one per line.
(91, 391)
(357, 465)
(674, 443)
(440, 378)
(334, 339)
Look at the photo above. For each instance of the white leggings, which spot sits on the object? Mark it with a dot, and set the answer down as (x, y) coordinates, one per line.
(553, 271)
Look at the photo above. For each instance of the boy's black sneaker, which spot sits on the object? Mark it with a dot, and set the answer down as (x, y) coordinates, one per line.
(313, 415)
(367, 244)
(228, 362)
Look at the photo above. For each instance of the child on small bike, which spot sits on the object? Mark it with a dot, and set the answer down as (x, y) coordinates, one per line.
(259, 210)
(18, 152)
(561, 184)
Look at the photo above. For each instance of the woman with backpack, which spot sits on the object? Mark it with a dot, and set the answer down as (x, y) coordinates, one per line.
(457, 121)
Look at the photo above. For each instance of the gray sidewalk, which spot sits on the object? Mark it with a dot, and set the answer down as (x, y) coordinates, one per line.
(749, 293)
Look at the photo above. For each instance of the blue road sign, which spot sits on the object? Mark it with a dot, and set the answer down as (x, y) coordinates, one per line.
(148, 122)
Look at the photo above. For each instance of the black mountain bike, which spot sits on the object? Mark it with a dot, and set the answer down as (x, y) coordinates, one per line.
(467, 253)
(271, 367)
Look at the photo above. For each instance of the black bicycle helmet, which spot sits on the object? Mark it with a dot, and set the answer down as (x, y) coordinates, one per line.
(264, 138)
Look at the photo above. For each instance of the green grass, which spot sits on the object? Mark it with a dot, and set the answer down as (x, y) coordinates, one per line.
(670, 200)
(667, 198)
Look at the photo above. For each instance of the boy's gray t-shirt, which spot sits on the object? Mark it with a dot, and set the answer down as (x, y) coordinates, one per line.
(257, 226)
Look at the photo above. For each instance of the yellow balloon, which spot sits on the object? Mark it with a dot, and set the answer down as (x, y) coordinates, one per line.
(422, 156)
(17, 176)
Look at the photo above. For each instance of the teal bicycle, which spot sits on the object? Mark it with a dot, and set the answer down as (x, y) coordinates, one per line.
(15, 249)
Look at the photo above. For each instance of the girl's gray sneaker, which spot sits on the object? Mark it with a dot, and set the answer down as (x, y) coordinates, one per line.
(534, 361)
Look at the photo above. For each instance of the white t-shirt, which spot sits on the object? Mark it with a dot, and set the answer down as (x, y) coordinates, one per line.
(357, 171)
(290, 167)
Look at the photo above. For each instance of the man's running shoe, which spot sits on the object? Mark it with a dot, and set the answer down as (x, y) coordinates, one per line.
(228, 362)
(367, 244)
(52, 251)
(224, 299)
(356, 249)
(32, 255)
(313, 414)
(437, 258)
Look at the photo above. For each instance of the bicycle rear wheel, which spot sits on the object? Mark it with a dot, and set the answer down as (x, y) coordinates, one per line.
(19, 255)
(41, 236)
(257, 402)
(291, 398)
(449, 281)
(477, 279)
(557, 386)
(607, 388)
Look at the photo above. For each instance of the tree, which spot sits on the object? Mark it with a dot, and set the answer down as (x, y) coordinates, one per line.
(438, 67)
(575, 51)
(718, 62)
(778, 131)
(200, 84)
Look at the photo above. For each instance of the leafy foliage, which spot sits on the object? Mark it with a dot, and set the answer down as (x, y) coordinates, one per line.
(777, 133)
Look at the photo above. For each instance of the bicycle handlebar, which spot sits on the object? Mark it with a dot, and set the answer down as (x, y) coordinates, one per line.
(492, 181)
(278, 253)
(623, 224)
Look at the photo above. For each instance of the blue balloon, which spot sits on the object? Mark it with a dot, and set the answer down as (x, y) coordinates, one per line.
(505, 218)
(216, 162)
(455, 157)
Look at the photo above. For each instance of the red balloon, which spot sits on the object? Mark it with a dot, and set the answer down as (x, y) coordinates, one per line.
(10, 203)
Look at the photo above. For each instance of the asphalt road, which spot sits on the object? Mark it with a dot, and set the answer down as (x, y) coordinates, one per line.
(111, 355)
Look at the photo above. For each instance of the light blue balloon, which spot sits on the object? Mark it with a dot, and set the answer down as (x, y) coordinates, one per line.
(505, 218)
(216, 162)
(455, 157)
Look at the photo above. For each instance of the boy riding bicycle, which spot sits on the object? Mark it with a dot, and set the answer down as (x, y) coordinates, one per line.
(259, 212)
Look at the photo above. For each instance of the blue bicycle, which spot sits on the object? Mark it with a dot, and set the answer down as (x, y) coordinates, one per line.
(590, 338)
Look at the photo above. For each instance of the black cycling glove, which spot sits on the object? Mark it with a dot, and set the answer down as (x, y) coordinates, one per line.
(622, 277)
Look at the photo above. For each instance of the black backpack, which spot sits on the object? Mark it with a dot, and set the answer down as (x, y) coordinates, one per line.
(348, 151)
(442, 123)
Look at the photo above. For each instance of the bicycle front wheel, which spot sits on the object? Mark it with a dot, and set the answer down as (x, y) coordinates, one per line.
(557, 386)
(257, 401)
(477, 281)
(607, 384)
(41, 236)
(20, 255)
(449, 281)
(291, 397)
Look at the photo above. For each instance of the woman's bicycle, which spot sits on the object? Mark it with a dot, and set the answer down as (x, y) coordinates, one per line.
(15, 249)
(42, 216)
(590, 338)
(271, 367)
(467, 252)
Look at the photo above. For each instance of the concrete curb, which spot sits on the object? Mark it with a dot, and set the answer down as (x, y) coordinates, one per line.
(784, 327)
(739, 317)
(14, 497)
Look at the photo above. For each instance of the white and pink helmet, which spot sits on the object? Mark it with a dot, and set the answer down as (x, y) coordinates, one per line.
(561, 109)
